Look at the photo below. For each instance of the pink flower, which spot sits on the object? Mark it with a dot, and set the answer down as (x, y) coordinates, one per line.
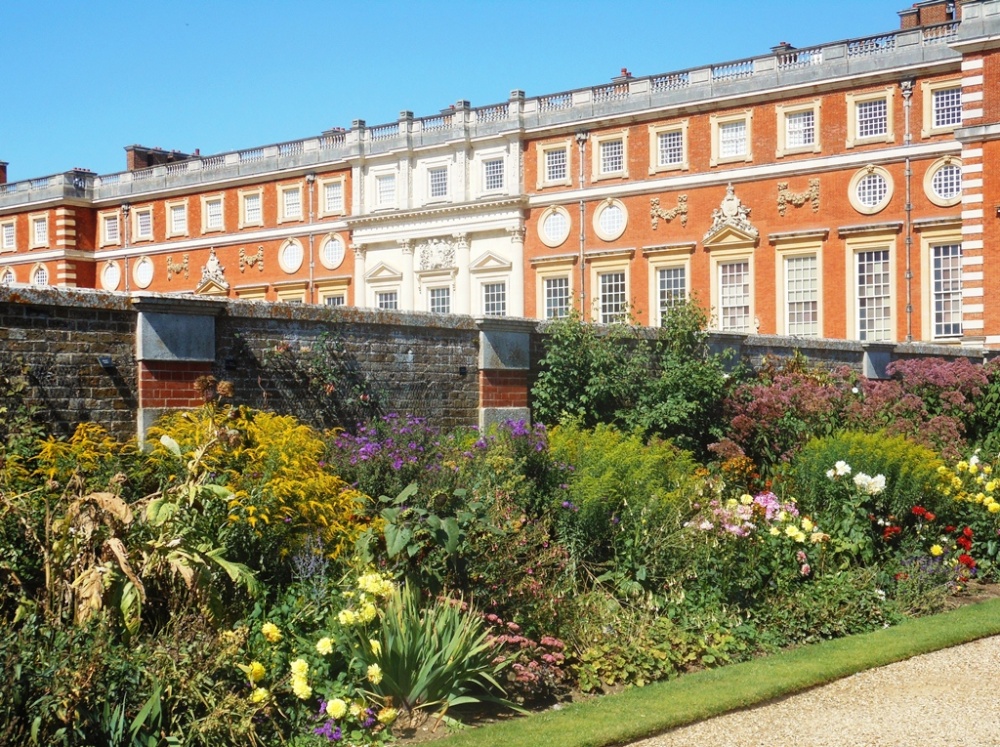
(805, 570)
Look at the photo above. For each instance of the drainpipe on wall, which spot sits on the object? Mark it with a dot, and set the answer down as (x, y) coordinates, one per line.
(906, 87)
(310, 181)
(581, 140)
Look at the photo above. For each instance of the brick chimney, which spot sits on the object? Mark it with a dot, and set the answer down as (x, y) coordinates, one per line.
(3, 172)
(140, 157)
(929, 13)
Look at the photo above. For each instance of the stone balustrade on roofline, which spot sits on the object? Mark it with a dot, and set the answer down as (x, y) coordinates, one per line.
(785, 68)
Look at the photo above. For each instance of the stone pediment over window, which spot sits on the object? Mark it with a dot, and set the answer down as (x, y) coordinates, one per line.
(383, 272)
(490, 262)
(731, 222)
(212, 287)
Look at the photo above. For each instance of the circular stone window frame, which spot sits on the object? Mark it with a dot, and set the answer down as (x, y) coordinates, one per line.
(108, 267)
(138, 275)
(333, 237)
(852, 190)
(932, 170)
(546, 214)
(601, 208)
(289, 268)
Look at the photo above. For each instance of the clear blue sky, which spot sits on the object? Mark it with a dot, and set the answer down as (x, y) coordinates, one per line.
(84, 78)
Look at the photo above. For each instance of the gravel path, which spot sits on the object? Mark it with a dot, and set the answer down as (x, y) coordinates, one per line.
(950, 697)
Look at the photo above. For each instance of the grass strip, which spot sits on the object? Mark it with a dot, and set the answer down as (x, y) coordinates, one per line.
(643, 712)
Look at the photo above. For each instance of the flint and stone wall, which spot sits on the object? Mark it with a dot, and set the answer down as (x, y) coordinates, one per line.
(122, 360)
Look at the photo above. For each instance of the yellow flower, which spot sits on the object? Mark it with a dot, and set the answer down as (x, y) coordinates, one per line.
(368, 612)
(324, 646)
(774, 531)
(259, 695)
(807, 526)
(387, 715)
(791, 529)
(376, 646)
(936, 550)
(987, 469)
(374, 673)
(991, 486)
(746, 499)
(301, 688)
(980, 497)
(257, 672)
(800, 536)
(994, 508)
(356, 709)
(962, 466)
(336, 708)
(300, 668)
(347, 617)
(942, 470)
(270, 632)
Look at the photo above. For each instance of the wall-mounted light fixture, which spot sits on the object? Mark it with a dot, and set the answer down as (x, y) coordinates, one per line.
(105, 361)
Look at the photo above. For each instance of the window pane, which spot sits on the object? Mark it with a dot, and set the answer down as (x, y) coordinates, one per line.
(556, 298)
(178, 219)
(495, 299)
(612, 156)
(439, 182)
(672, 286)
(555, 165)
(334, 300)
(213, 214)
(292, 203)
(111, 229)
(872, 190)
(734, 296)
(802, 296)
(947, 181)
(440, 300)
(800, 129)
(251, 209)
(873, 295)
(556, 227)
(671, 147)
(613, 299)
(947, 290)
(947, 107)
(41, 226)
(387, 300)
(333, 197)
(733, 139)
(41, 276)
(612, 220)
(387, 190)
(493, 174)
(7, 236)
(872, 119)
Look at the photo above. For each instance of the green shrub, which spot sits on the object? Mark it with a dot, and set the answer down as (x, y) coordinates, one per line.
(626, 499)
(863, 521)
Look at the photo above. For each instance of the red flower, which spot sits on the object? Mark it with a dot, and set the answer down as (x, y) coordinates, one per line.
(919, 511)
(929, 516)
(964, 542)
(966, 560)
(967, 532)
(890, 532)
(949, 529)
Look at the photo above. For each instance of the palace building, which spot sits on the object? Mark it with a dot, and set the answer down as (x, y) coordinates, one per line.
(837, 191)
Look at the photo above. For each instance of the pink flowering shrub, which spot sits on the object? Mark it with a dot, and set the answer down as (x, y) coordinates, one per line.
(535, 671)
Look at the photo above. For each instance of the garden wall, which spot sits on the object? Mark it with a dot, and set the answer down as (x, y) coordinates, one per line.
(121, 360)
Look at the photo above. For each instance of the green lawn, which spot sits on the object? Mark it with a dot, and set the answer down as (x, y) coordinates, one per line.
(643, 712)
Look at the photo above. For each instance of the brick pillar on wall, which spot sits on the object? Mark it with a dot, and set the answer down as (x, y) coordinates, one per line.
(504, 367)
(175, 346)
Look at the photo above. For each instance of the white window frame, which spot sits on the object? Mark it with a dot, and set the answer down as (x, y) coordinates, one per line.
(8, 276)
(105, 219)
(655, 165)
(720, 121)
(33, 233)
(206, 202)
(248, 194)
(784, 112)
(484, 287)
(110, 275)
(8, 235)
(433, 173)
(382, 296)
(853, 100)
(932, 171)
(487, 161)
(666, 258)
(384, 200)
(597, 143)
(172, 207)
(602, 207)
(327, 263)
(137, 216)
(928, 89)
(785, 324)
(139, 276)
(329, 290)
(285, 191)
(620, 264)
(339, 182)
(720, 257)
(542, 150)
(554, 241)
(40, 269)
(291, 265)
(561, 268)
(433, 292)
(869, 243)
(930, 238)
(290, 292)
(859, 176)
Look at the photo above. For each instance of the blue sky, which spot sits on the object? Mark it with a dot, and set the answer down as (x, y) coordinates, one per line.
(85, 78)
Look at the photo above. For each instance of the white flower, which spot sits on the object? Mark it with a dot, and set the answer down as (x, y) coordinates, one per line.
(830, 473)
(842, 468)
